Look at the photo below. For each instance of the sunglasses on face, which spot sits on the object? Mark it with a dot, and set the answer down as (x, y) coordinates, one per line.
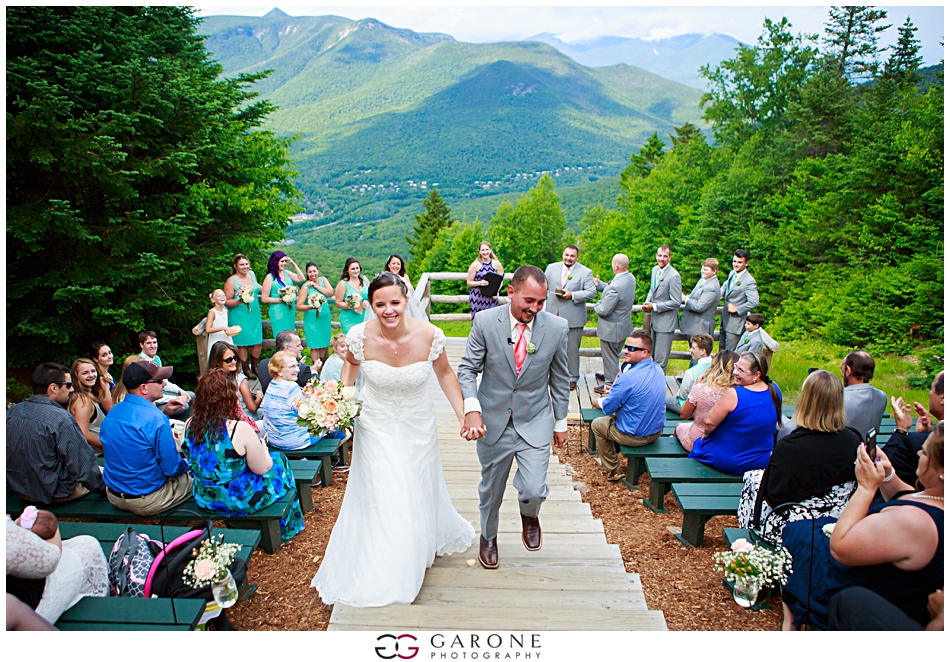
(155, 381)
(633, 348)
(230, 359)
(66, 384)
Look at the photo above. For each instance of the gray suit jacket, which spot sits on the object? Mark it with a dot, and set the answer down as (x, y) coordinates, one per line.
(700, 313)
(864, 407)
(744, 295)
(666, 295)
(613, 310)
(581, 286)
(535, 398)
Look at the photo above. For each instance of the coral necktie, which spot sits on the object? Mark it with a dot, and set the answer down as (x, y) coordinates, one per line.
(521, 348)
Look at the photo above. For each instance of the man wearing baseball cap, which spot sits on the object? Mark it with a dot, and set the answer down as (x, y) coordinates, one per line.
(143, 471)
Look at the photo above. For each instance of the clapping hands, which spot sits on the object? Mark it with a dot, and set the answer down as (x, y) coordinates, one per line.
(902, 417)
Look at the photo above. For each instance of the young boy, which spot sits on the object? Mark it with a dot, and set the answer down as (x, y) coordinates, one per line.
(755, 339)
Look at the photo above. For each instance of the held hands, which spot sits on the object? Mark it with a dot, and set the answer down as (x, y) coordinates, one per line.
(560, 438)
(473, 427)
(647, 307)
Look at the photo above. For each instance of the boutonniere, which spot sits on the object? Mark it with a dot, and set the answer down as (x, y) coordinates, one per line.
(746, 340)
(570, 276)
(531, 348)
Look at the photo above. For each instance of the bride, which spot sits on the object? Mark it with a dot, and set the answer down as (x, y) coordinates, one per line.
(396, 514)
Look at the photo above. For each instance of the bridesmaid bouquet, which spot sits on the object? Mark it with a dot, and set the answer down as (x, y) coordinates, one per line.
(316, 300)
(327, 407)
(353, 301)
(288, 294)
(754, 565)
(246, 294)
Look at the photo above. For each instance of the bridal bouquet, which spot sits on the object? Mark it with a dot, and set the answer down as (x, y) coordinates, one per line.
(316, 300)
(246, 294)
(327, 407)
(288, 294)
(753, 565)
(354, 301)
(211, 562)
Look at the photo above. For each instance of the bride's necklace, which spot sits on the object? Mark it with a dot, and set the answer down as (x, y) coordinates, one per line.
(921, 495)
(398, 342)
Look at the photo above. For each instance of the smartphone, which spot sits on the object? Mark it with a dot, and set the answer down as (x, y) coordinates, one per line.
(870, 444)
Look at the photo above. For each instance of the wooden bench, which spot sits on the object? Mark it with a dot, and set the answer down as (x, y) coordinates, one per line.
(96, 507)
(664, 471)
(637, 457)
(132, 614)
(323, 450)
(305, 474)
(699, 502)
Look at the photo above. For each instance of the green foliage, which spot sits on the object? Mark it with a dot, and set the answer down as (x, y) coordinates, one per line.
(134, 172)
(437, 216)
(532, 231)
(851, 39)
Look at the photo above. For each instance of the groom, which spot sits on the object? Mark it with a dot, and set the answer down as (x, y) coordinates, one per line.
(521, 353)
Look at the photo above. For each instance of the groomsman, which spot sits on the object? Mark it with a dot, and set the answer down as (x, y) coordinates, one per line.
(570, 287)
(613, 310)
(739, 297)
(663, 303)
(700, 314)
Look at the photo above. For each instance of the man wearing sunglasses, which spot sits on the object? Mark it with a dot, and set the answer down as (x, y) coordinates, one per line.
(48, 458)
(635, 405)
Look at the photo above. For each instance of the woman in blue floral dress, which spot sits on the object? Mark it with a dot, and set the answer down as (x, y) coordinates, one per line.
(486, 263)
(235, 475)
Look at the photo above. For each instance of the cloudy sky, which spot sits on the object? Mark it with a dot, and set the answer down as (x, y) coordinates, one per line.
(485, 23)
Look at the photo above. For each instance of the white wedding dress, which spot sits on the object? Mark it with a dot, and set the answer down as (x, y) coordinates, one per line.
(396, 514)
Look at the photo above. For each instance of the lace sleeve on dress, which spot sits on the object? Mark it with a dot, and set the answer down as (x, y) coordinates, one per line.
(28, 555)
(354, 341)
(438, 344)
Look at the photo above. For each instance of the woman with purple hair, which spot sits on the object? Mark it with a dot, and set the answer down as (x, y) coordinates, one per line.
(279, 291)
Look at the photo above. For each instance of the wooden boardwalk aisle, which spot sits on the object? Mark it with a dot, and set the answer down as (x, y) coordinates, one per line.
(575, 582)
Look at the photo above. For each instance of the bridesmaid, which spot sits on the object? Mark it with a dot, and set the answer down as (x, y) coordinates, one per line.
(245, 315)
(396, 265)
(351, 282)
(316, 321)
(486, 263)
(282, 315)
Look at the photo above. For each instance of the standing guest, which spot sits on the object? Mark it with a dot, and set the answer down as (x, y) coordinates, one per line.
(224, 359)
(396, 265)
(635, 406)
(486, 263)
(333, 368)
(143, 471)
(235, 475)
(288, 341)
(175, 401)
(740, 429)
(277, 284)
(699, 315)
(48, 458)
(351, 294)
(614, 323)
(246, 314)
(752, 340)
(704, 395)
(663, 303)
(316, 318)
(85, 398)
(102, 355)
(904, 446)
(739, 296)
(700, 348)
(864, 405)
(570, 287)
(216, 323)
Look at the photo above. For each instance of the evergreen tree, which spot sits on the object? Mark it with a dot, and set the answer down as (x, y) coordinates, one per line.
(851, 36)
(642, 162)
(684, 134)
(905, 57)
(531, 231)
(437, 216)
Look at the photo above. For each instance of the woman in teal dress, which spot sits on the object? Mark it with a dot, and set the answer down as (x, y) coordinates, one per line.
(246, 315)
(316, 320)
(283, 314)
(351, 283)
(235, 475)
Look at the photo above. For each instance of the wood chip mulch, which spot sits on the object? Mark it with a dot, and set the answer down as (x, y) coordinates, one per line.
(679, 580)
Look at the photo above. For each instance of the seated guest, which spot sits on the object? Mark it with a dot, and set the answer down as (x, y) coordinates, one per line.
(119, 393)
(234, 473)
(700, 348)
(635, 405)
(333, 368)
(144, 473)
(704, 396)
(903, 446)
(857, 609)
(102, 355)
(286, 341)
(813, 465)
(280, 413)
(48, 458)
(894, 548)
(740, 429)
(89, 390)
(224, 357)
(864, 405)
(175, 400)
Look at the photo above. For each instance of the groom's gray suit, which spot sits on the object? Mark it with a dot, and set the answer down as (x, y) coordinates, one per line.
(518, 411)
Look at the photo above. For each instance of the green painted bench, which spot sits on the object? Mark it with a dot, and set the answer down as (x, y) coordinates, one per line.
(699, 502)
(588, 415)
(637, 457)
(134, 614)
(305, 475)
(96, 507)
(664, 471)
(732, 535)
(323, 450)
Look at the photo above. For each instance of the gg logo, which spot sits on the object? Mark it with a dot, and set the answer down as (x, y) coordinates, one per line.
(390, 650)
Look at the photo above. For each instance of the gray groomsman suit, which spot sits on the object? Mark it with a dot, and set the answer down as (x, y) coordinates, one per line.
(864, 407)
(518, 410)
(666, 295)
(739, 289)
(614, 323)
(574, 310)
(700, 314)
